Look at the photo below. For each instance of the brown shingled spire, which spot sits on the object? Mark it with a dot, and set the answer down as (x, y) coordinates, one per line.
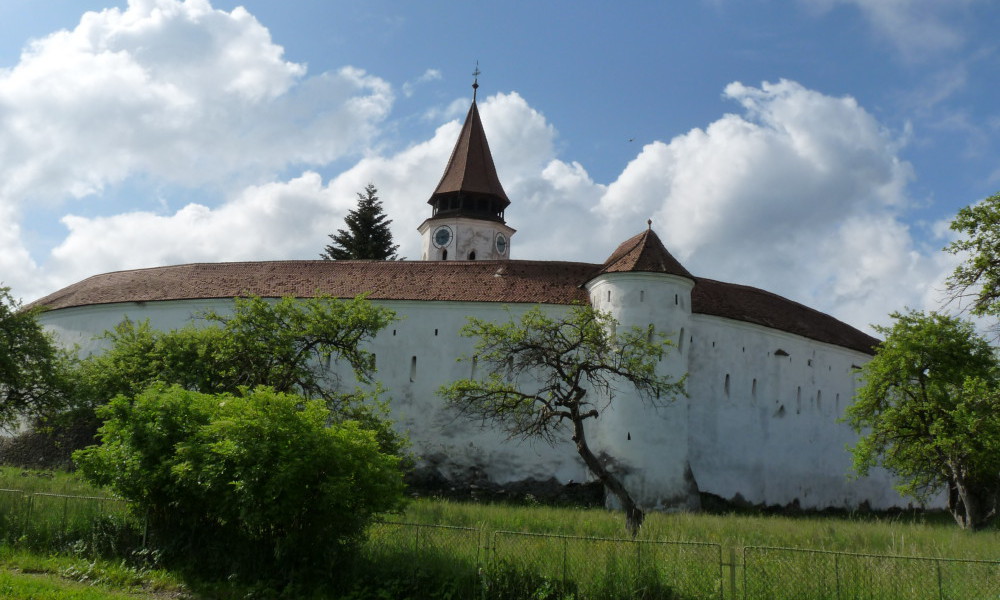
(470, 186)
(644, 252)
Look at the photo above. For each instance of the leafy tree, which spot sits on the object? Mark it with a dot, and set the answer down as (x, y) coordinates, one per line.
(575, 363)
(367, 235)
(253, 485)
(31, 368)
(978, 277)
(928, 411)
(289, 345)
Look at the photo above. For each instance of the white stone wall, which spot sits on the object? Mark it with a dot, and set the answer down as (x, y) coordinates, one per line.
(414, 357)
(649, 442)
(769, 436)
(764, 426)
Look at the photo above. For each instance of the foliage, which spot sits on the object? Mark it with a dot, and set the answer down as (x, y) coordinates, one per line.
(367, 235)
(31, 368)
(578, 361)
(978, 277)
(290, 345)
(929, 412)
(258, 484)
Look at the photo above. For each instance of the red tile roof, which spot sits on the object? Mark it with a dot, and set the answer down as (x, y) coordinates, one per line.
(509, 281)
(472, 281)
(753, 305)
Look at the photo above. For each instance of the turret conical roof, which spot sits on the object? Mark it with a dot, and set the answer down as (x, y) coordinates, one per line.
(644, 253)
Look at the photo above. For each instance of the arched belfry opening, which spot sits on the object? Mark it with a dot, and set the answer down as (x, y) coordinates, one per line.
(468, 205)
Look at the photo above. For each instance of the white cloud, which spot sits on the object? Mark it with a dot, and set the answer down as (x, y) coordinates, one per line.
(917, 28)
(802, 195)
(178, 91)
(16, 265)
(429, 75)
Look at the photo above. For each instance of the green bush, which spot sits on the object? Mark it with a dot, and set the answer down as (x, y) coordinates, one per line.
(260, 485)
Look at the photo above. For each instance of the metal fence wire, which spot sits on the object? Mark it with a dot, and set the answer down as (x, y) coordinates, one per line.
(54, 520)
(417, 553)
(528, 564)
(773, 573)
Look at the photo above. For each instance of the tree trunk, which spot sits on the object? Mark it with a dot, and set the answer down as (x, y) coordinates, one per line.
(972, 506)
(633, 514)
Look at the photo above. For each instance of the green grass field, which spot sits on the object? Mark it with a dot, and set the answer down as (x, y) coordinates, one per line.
(933, 535)
(457, 550)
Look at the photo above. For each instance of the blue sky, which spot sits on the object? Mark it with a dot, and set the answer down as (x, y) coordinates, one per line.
(814, 148)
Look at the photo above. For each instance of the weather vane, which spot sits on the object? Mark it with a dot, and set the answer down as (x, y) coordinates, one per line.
(475, 82)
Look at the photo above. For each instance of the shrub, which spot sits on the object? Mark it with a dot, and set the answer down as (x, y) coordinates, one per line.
(256, 485)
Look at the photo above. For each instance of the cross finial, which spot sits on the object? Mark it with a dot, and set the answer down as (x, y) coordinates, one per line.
(475, 82)
(649, 224)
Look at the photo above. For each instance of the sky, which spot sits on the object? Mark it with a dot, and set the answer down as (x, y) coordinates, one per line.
(813, 148)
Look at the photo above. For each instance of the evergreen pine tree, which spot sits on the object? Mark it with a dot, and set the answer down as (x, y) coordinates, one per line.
(367, 234)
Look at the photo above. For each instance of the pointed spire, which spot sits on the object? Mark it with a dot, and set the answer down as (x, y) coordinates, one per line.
(470, 186)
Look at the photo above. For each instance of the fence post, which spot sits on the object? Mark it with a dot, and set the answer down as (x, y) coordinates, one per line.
(836, 574)
(732, 571)
(745, 569)
(565, 551)
(27, 515)
(65, 516)
(940, 588)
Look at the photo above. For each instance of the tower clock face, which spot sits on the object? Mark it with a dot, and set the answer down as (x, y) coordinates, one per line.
(501, 243)
(442, 236)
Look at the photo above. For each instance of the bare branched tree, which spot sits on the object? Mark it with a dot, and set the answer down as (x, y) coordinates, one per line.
(573, 367)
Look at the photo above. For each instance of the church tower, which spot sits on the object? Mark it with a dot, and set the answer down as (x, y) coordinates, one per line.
(468, 205)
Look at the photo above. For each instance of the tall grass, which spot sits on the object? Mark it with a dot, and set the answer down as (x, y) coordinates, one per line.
(930, 535)
(51, 482)
(453, 549)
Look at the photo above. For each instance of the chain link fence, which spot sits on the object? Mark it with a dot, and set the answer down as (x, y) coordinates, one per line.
(507, 564)
(777, 573)
(586, 567)
(86, 524)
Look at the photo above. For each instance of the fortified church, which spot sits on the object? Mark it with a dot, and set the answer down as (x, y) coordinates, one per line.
(768, 378)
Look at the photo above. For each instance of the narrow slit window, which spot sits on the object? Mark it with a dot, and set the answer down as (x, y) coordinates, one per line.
(435, 332)
(680, 342)
(798, 400)
(642, 295)
(609, 295)
(726, 385)
(413, 369)
(753, 389)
